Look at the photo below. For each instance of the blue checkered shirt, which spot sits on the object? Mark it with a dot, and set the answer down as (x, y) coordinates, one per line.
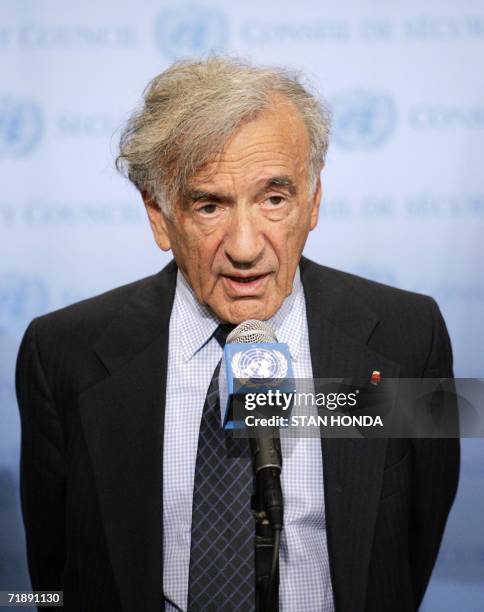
(305, 582)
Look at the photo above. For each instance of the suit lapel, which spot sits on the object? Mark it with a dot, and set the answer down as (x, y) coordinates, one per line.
(339, 326)
(122, 418)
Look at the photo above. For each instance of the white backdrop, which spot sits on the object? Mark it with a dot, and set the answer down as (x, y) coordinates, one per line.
(403, 186)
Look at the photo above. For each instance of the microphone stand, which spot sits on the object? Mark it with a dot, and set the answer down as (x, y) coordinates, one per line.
(266, 593)
(267, 510)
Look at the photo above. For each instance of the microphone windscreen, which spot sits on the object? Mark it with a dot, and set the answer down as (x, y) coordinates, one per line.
(251, 332)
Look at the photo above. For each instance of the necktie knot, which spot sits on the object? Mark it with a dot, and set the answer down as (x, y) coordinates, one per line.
(221, 333)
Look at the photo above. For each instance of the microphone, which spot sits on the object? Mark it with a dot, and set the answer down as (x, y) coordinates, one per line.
(252, 352)
(265, 446)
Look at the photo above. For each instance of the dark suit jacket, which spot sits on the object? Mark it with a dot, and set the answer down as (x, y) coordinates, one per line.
(91, 382)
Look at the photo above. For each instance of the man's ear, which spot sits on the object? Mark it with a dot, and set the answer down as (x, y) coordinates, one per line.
(158, 222)
(315, 202)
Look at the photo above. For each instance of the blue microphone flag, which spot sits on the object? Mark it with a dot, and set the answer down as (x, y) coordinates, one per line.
(258, 368)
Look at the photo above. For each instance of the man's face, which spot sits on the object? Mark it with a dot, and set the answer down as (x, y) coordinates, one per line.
(238, 235)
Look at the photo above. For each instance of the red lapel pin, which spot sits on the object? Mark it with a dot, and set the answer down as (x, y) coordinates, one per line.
(375, 377)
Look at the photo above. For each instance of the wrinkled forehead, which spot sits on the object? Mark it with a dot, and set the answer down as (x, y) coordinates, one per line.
(274, 143)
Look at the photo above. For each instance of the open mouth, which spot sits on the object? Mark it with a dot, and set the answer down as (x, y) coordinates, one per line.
(245, 279)
(245, 284)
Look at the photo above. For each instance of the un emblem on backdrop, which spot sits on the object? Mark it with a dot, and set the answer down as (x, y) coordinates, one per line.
(259, 363)
(20, 126)
(363, 119)
(21, 299)
(190, 30)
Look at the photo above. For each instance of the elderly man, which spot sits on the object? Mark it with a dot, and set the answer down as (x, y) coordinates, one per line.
(129, 499)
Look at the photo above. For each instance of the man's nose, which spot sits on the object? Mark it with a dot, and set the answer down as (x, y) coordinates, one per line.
(244, 241)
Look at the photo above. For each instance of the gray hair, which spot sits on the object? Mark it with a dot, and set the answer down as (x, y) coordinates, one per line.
(191, 110)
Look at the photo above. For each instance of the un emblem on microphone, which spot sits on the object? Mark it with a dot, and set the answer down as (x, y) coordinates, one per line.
(190, 30)
(363, 119)
(20, 126)
(259, 363)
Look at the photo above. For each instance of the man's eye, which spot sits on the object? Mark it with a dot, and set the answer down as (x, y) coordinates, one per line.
(208, 209)
(275, 200)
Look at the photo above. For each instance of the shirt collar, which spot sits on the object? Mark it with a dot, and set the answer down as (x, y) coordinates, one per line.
(196, 322)
(288, 321)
